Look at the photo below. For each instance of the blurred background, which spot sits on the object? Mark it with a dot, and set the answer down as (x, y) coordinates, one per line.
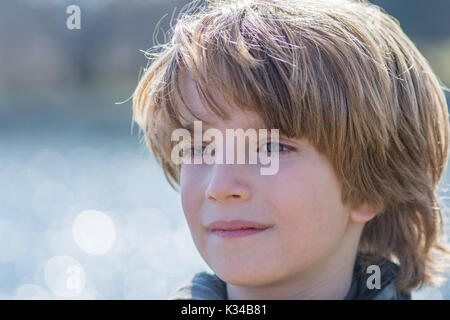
(84, 211)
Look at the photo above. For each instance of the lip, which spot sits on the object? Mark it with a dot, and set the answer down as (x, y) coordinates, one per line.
(235, 225)
(236, 228)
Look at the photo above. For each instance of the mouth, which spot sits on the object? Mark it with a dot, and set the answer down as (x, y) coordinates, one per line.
(236, 233)
(236, 228)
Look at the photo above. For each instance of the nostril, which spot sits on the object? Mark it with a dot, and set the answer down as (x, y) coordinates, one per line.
(223, 196)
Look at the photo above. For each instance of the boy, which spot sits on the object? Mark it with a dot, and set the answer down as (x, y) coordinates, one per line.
(352, 211)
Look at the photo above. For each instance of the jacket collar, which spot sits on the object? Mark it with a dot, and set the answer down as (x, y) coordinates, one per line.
(359, 289)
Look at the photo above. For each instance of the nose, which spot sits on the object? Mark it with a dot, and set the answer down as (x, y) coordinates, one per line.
(227, 184)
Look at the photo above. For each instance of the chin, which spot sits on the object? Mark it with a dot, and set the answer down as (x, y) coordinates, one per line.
(243, 277)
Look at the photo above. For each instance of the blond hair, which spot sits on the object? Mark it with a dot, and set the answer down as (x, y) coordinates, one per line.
(340, 73)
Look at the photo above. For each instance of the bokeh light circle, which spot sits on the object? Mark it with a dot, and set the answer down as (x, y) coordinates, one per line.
(94, 232)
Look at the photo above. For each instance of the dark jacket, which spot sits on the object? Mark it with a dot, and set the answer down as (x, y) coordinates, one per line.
(207, 286)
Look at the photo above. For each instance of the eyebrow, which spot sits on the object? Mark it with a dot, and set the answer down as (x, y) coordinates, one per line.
(190, 125)
(206, 125)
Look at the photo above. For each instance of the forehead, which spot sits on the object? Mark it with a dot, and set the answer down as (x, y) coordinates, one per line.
(237, 117)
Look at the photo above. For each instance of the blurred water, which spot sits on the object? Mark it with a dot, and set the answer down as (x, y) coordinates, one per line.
(85, 213)
(110, 216)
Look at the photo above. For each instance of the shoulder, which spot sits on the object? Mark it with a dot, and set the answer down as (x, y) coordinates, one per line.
(202, 286)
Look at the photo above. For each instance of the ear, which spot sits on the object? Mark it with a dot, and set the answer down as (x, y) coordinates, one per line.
(364, 213)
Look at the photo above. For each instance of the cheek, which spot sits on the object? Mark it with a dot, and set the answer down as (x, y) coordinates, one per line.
(305, 199)
(191, 192)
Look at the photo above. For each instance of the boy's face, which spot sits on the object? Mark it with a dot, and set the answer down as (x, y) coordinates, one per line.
(301, 203)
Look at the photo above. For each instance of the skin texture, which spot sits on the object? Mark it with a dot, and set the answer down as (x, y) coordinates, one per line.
(310, 248)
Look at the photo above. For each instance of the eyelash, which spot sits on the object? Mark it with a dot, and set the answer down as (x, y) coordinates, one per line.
(281, 145)
(191, 149)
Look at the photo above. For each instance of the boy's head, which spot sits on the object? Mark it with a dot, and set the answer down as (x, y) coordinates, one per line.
(363, 137)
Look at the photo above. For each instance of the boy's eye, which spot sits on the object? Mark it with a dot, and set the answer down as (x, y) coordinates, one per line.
(275, 147)
(200, 150)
